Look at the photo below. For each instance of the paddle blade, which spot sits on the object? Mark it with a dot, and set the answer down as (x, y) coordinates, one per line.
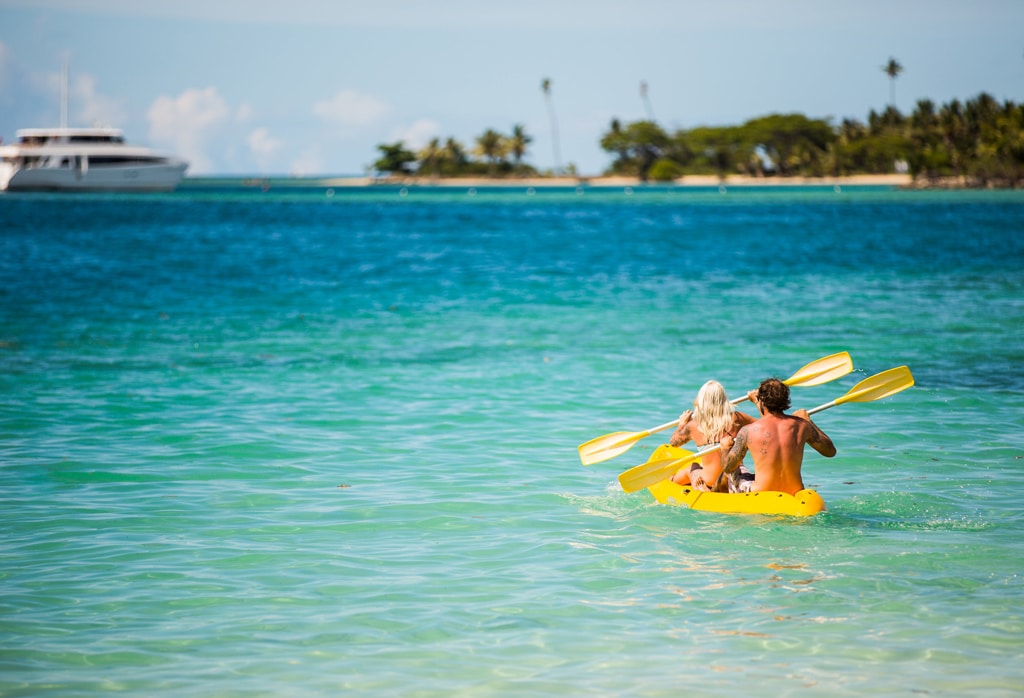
(823, 370)
(651, 472)
(881, 385)
(608, 446)
(616, 443)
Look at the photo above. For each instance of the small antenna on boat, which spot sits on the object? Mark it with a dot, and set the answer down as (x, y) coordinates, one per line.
(64, 94)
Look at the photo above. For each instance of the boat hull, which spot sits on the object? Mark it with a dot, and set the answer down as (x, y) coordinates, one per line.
(806, 502)
(85, 159)
(143, 178)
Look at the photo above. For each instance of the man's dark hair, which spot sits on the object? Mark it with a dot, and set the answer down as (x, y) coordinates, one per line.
(773, 395)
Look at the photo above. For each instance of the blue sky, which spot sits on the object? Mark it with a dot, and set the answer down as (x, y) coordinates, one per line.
(311, 87)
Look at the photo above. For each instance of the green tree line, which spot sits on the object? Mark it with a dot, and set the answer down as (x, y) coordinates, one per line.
(980, 140)
(494, 154)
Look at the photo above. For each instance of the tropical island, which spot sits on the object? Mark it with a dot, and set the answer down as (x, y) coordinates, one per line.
(978, 143)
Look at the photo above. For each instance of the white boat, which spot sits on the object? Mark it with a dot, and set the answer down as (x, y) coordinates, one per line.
(84, 159)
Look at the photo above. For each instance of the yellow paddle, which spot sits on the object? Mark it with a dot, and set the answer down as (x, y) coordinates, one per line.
(605, 447)
(878, 386)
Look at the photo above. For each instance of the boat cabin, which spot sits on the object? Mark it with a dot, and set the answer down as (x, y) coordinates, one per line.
(69, 136)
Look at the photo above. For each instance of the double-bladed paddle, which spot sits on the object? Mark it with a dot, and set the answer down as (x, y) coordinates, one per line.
(878, 386)
(609, 446)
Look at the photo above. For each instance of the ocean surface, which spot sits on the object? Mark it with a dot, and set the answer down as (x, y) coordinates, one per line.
(314, 442)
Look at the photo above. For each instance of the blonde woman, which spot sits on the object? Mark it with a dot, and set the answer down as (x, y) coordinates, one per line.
(711, 418)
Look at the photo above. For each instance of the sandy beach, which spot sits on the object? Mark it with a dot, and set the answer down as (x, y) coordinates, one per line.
(896, 180)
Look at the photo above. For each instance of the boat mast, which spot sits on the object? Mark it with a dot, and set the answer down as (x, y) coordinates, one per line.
(64, 94)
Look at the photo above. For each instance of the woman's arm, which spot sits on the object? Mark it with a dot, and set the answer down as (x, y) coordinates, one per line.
(682, 433)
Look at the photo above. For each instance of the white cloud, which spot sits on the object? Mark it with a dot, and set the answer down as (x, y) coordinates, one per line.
(475, 15)
(5, 66)
(350, 109)
(16, 90)
(417, 135)
(309, 162)
(243, 113)
(90, 107)
(187, 122)
(263, 148)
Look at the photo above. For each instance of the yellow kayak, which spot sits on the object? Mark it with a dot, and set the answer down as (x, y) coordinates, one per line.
(803, 503)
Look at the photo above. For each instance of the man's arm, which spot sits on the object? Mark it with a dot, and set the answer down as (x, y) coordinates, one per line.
(818, 439)
(732, 453)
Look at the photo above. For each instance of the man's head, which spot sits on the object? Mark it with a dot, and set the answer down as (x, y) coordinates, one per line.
(773, 395)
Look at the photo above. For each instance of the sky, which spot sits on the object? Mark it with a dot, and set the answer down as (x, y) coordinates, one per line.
(312, 87)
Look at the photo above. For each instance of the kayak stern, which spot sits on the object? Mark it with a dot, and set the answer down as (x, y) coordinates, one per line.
(806, 502)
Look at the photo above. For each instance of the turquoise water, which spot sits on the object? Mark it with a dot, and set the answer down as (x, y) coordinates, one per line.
(303, 442)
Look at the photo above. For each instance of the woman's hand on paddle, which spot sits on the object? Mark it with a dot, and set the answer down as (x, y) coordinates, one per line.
(682, 433)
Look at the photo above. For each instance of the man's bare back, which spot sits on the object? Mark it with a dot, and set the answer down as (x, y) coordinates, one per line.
(776, 442)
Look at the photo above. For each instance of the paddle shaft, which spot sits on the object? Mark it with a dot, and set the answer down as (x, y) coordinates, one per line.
(825, 369)
(675, 423)
(718, 447)
(655, 430)
(663, 427)
(628, 438)
(876, 387)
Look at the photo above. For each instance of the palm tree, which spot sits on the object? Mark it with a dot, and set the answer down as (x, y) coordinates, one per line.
(928, 156)
(491, 146)
(646, 100)
(615, 142)
(545, 85)
(431, 157)
(455, 154)
(955, 135)
(892, 69)
(518, 143)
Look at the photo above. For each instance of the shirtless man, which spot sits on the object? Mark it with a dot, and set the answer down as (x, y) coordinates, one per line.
(712, 417)
(776, 442)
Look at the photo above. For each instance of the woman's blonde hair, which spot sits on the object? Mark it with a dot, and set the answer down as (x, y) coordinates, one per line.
(713, 412)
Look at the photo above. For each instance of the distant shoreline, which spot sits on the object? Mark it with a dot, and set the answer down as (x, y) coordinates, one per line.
(702, 181)
(895, 181)
(687, 181)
